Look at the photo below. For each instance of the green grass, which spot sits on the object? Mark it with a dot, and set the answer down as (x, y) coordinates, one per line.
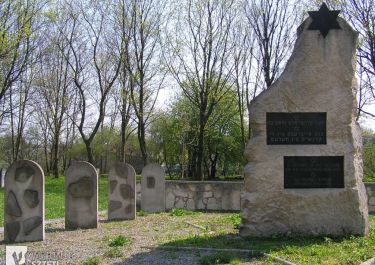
(235, 219)
(219, 258)
(92, 261)
(369, 178)
(114, 252)
(301, 250)
(55, 198)
(120, 241)
(181, 212)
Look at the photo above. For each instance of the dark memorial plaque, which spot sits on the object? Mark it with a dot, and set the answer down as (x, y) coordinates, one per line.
(296, 128)
(313, 172)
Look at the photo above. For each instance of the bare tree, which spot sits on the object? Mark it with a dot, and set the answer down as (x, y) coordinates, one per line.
(197, 58)
(19, 104)
(273, 22)
(122, 95)
(142, 62)
(19, 24)
(95, 61)
(361, 14)
(53, 84)
(247, 71)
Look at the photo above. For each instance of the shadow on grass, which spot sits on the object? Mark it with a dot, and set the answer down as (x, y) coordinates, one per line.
(185, 257)
(297, 247)
(234, 241)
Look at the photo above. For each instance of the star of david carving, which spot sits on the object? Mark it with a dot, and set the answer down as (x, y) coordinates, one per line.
(324, 20)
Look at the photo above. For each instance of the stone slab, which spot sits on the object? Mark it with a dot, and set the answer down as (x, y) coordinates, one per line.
(122, 192)
(153, 188)
(81, 196)
(24, 202)
(318, 78)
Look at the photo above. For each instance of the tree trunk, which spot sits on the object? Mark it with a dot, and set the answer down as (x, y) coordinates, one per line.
(55, 165)
(124, 125)
(199, 169)
(142, 142)
(90, 156)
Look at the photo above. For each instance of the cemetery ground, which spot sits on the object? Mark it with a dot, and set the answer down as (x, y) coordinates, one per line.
(145, 239)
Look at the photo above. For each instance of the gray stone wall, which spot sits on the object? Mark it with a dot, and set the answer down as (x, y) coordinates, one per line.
(206, 195)
(370, 187)
(199, 195)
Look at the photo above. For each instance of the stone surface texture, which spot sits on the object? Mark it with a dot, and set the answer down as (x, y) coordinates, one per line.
(81, 196)
(153, 190)
(122, 192)
(204, 195)
(319, 77)
(24, 202)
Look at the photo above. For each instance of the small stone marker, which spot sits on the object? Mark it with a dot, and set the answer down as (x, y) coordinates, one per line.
(122, 192)
(304, 172)
(24, 202)
(153, 188)
(81, 196)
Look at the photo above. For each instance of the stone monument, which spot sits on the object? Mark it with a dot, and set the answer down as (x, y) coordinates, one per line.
(153, 188)
(122, 192)
(24, 202)
(304, 171)
(81, 196)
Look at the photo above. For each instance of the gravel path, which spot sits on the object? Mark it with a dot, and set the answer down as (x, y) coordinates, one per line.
(75, 247)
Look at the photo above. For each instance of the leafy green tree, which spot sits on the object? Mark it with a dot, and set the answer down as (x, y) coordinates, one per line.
(175, 138)
(369, 155)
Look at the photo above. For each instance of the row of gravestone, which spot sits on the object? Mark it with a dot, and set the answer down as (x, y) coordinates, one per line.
(24, 197)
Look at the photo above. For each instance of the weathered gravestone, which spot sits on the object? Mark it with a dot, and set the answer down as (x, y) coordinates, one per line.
(81, 196)
(304, 172)
(24, 202)
(153, 188)
(122, 192)
(2, 177)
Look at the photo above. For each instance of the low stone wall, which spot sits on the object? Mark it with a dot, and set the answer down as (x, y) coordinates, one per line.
(204, 195)
(370, 187)
(201, 195)
(217, 195)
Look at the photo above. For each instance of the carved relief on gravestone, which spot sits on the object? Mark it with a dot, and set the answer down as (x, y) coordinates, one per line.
(153, 188)
(122, 195)
(304, 171)
(81, 196)
(24, 202)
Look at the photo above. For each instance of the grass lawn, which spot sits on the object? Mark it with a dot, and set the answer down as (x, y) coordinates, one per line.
(301, 250)
(55, 197)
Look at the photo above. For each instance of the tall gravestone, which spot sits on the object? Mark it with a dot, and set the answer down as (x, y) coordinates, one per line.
(24, 202)
(81, 196)
(153, 188)
(122, 192)
(304, 171)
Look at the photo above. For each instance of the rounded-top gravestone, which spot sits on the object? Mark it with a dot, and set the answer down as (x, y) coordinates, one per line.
(24, 202)
(153, 188)
(122, 192)
(81, 196)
